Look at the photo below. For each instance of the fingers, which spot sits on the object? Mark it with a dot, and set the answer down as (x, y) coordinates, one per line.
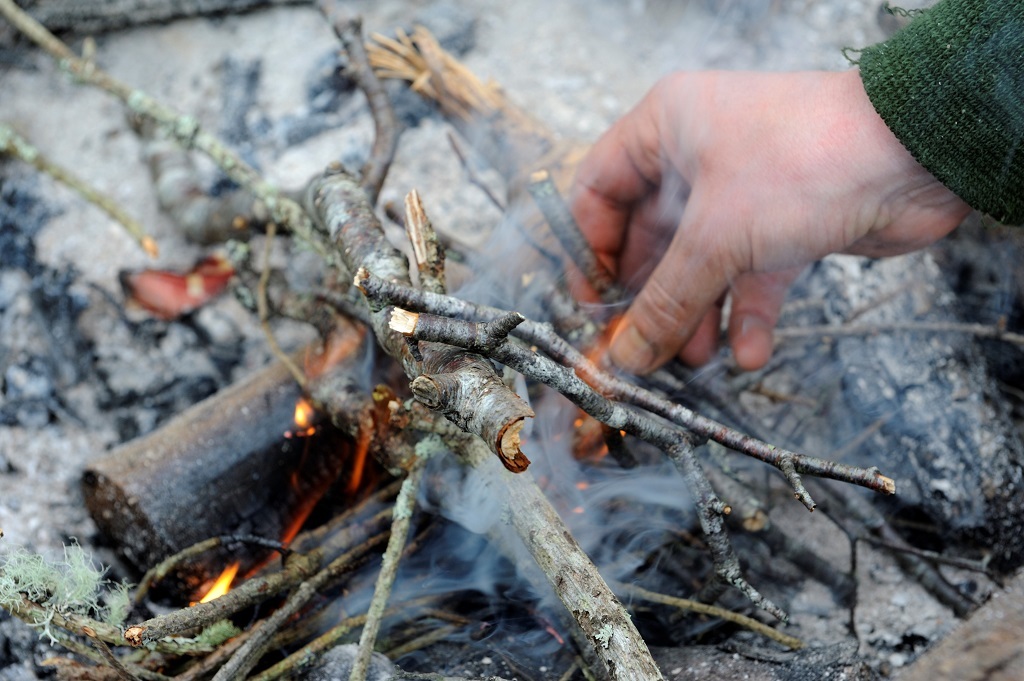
(678, 312)
(756, 303)
(622, 168)
(691, 276)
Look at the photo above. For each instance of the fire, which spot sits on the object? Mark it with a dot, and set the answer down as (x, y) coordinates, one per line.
(304, 415)
(223, 583)
(359, 465)
(596, 352)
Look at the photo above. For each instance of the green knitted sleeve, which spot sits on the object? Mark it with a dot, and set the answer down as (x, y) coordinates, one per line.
(951, 88)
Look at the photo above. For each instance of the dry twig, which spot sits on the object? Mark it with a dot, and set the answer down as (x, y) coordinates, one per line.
(385, 140)
(404, 507)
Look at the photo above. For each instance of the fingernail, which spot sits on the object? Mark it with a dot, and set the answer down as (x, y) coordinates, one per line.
(753, 345)
(630, 351)
(752, 323)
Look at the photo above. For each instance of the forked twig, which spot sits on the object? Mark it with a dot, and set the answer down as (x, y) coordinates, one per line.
(185, 129)
(574, 366)
(385, 141)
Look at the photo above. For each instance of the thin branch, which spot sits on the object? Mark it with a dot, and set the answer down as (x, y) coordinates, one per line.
(404, 507)
(16, 145)
(33, 613)
(852, 506)
(108, 656)
(574, 362)
(995, 331)
(262, 311)
(246, 657)
(167, 565)
(385, 141)
(954, 561)
(184, 129)
(91, 653)
(635, 591)
(473, 175)
(575, 383)
(562, 223)
(297, 569)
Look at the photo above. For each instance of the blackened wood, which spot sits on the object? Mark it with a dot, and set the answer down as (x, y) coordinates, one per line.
(223, 467)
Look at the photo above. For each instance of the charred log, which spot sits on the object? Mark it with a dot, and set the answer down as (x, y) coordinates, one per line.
(232, 464)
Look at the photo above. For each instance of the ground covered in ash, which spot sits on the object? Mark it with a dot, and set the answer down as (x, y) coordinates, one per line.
(80, 373)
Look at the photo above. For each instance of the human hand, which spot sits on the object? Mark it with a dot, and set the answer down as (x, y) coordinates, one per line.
(722, 182)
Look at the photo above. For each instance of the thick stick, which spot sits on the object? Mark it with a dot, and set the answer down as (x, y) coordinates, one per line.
(455, 383)
(572, 575)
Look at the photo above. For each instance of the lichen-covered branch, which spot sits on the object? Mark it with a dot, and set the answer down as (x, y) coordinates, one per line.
(184, 129)
(202, 218)
(14, 144)
(404, 507)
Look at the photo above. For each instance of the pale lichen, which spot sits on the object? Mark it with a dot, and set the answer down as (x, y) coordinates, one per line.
(74, 585)
(604, 635)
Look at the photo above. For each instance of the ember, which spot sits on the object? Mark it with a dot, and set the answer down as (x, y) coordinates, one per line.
(303, 419)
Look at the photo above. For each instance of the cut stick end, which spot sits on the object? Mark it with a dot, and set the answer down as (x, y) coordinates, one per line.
(134, 635)
(403, 321)
(508, 447)
(148, 244)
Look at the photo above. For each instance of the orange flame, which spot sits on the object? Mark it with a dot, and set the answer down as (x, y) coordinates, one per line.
(359, 465)
(223, 583)
(596, 352)
(304, 413)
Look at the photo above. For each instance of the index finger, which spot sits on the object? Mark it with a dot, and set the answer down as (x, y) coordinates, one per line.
(622, 167)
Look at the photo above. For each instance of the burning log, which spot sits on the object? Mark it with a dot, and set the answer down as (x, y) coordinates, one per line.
(236, 463)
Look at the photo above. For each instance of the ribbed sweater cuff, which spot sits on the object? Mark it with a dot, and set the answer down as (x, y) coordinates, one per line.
(951, 88)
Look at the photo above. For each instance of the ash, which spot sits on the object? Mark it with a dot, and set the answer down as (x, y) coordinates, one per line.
(81, 374)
